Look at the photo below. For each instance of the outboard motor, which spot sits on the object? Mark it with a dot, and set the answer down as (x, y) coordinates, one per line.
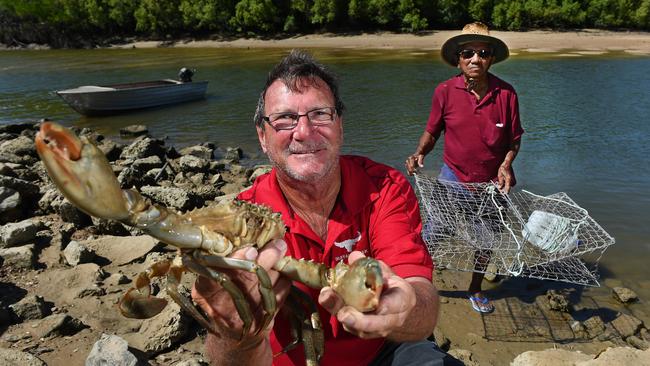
(185, 75)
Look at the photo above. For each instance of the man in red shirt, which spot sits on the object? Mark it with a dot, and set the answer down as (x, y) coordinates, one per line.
(336, 208)
(479, 114)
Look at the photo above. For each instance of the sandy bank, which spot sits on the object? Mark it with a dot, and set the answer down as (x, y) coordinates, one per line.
(585, 41)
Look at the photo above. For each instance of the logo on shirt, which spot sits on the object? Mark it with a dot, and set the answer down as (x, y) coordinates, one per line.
(499, 125)
(348, 244)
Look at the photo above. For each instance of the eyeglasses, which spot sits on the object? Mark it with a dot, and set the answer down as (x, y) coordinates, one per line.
(289, 120)
(469, 53)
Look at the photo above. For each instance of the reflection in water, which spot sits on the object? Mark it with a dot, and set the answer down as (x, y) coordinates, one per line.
(585, 118)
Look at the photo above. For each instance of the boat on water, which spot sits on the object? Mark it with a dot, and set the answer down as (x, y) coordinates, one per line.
(94, 100)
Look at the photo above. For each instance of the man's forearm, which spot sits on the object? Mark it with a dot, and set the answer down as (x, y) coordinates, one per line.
(424, 316)
(511, 154)
(426, 144)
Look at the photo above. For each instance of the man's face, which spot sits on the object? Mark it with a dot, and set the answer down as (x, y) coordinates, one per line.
(306, 153)
(475, 66)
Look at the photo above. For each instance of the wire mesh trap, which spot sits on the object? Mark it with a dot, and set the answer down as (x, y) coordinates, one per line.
(467, 225)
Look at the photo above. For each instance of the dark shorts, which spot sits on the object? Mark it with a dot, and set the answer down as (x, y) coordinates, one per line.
(420, 353)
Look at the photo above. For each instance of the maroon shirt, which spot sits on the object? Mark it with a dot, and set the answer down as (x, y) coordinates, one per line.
(376, 213)
(478, 134)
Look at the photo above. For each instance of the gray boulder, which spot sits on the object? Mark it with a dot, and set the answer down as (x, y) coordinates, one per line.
(75, 253)
(22, 257)
(14, 234)
(111, 350)
(31, 308)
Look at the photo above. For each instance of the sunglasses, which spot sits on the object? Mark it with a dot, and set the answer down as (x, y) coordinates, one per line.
(469, 53)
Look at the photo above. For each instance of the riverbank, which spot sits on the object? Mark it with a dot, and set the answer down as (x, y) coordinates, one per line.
(571, 43)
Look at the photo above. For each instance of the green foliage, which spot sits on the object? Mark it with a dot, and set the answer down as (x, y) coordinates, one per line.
(452, 13)
(158, 17)
(412, 20)
(207, 15)
(255, 15)
(120, 13)
(358, 11)
(611, 13)
(641, 17)
(479, 10)
(324, 12)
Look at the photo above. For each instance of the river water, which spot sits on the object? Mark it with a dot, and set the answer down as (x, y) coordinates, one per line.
(586, 118)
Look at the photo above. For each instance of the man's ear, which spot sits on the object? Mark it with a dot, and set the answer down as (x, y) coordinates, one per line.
(261, 137)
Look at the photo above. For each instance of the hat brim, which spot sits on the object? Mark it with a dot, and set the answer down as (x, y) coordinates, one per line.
(450, 47)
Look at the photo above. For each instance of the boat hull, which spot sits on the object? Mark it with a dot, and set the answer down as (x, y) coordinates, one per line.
(107, 100)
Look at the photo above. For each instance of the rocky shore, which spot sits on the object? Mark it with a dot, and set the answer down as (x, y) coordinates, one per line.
(63, 272)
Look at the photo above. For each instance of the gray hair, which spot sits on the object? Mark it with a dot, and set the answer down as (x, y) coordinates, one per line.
(294, 68)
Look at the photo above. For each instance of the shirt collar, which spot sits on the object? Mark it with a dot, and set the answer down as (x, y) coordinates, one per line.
(357, 191)
(493, 83)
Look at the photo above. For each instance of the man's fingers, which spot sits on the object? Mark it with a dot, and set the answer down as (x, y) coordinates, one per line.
(271, 253)
(329, 300)
(355, 256)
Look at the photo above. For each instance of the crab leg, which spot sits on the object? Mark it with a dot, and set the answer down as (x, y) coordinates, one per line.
(265, 287)
(309, 330)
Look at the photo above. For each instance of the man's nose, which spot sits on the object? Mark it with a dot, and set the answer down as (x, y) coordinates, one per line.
(304, 124)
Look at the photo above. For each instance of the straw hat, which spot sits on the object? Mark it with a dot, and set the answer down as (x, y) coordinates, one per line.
(473, 32)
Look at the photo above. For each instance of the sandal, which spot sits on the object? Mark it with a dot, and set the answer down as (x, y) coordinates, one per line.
(481, 304)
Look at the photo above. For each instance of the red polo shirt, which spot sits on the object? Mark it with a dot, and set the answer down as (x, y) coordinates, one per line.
(478, 134)
(377, 213)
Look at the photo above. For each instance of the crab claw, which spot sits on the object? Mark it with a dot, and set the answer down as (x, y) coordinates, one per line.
(359, 284)
(137, 302)
(81, 172)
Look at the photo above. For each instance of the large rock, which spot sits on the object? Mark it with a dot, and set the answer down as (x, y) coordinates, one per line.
(29, 194)
(163, 331)
(20, 150)
(559, 357)
(58, 325)
(14, 357)
(22, 257)
(145, 164)
(625, 356)
(550, 357)
(14, 234)
(173, 197)
(142, 148)
(191, 163)
(624, 294)
(627, 325)
(75, 253)
(121, 249)
(31, 308)
(199, 151)
(111, 350)
(9, 205)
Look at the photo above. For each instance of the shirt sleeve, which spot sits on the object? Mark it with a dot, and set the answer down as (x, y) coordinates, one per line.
(395, 230)
(436, 123)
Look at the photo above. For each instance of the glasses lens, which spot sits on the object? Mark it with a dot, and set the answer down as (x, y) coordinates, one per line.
(467, 54)
(484, 53)
(322, 115)
(283, 121)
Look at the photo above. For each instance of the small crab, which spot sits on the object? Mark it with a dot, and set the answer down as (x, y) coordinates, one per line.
(204, 238)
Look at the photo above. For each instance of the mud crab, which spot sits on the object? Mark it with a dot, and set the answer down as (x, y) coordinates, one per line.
(204, 238)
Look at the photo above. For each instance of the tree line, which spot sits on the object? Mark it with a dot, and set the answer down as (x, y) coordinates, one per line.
(66, 22)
